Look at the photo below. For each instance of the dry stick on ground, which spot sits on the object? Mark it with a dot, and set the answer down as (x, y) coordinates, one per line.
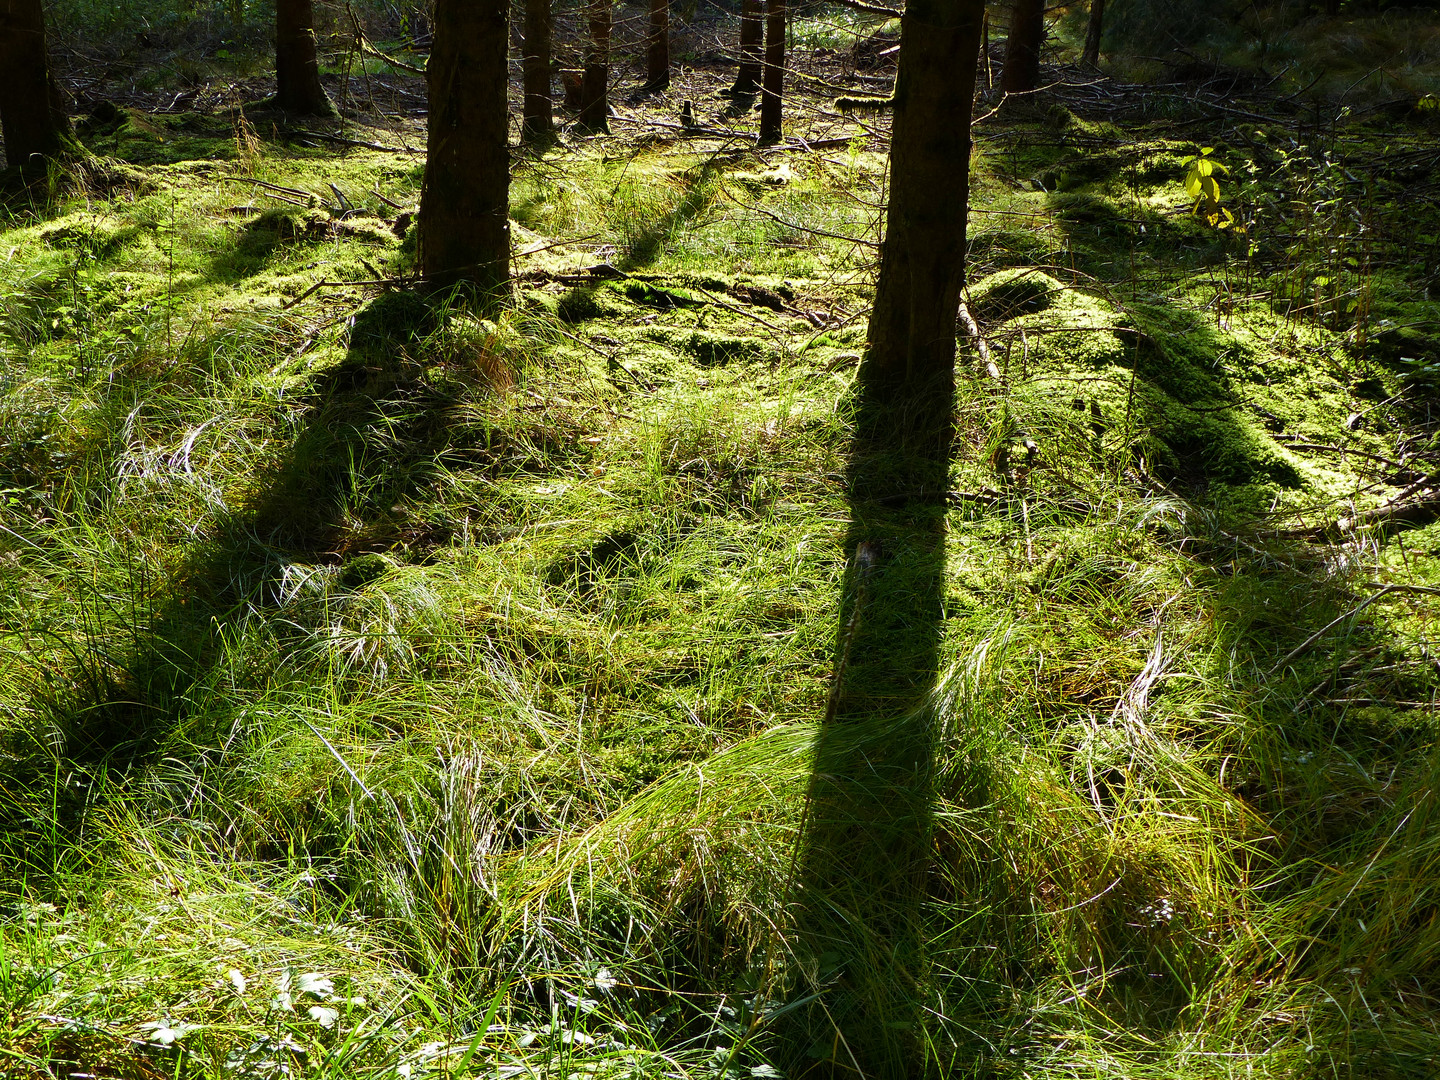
(981, 345)
(369, 49)
(299, 193)
(1344, 450)
(1313, 638)
(799, 228)
(341, 284)
(339, 140)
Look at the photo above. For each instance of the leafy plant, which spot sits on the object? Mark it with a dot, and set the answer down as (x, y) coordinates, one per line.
(1202, 185)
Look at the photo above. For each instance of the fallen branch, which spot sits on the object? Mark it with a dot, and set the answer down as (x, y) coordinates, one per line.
(1313, 638)
(298, 193)
(340, 140)
(799, 228)
(981, 345)
(322, 284)
(367, 47)
(874, 9)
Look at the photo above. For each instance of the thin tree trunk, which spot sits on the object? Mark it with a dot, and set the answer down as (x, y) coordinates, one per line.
(538, 122)
(1022, 49)
(773, 83)
(464, 208)
(752, 47)
(33, 122)
(657, 57)
(1091, 56)
(922, 261)
(297, 68)
(594, 91)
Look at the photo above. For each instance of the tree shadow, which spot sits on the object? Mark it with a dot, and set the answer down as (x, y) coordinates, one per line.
(862, 868)
(740, 105)
(378, 427)
(1328, 713)
(645, 246)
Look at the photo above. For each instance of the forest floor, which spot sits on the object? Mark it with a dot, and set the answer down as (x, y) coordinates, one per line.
(388, 692)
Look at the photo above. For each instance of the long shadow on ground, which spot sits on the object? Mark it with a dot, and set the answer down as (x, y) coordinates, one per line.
(862, 868)
(378, 427)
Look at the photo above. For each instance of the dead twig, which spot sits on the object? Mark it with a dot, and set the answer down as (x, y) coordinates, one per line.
(1313, 638)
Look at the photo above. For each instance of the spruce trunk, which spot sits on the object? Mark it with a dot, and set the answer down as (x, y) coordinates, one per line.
(772, 88)
(752, 47)
(34, 125)
(1022, 49)
(297, 68)
(464, 222)
(538, 121)
(1091, 56)
(657, 56)
(594, 90)
(922, 262)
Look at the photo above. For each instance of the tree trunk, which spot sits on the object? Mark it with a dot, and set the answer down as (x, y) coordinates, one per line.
(464, 208)
(594, 91)
(538, 122)
(752, 47)
(32, 121)
(297, 69)
(922, 260)
(774, 75)
(1022, 50)
(1091, 56)
(657, 57)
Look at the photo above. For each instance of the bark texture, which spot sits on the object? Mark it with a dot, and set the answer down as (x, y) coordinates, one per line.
(538, 112)
(1022, 49)
(657, 54)
(595, 90)
(1091, 55)
(922, 260)
(752, 47)
(297, 68)
(32, 121)
(464, 223)
(773, 80)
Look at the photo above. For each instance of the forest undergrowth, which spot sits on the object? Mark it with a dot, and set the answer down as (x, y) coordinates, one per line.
(389, 692)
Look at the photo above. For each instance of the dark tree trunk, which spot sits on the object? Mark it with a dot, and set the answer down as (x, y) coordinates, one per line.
(464, 208)
(538, 122)
(752, 47)
(297, 69)
(922, 261)
(33, 120)
(657, 56)
(1022, 49)
(594, 91)
(1091, 56)
(773, 81)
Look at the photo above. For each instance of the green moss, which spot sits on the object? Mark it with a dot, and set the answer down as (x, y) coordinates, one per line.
(1008, 294)
(641, 292)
